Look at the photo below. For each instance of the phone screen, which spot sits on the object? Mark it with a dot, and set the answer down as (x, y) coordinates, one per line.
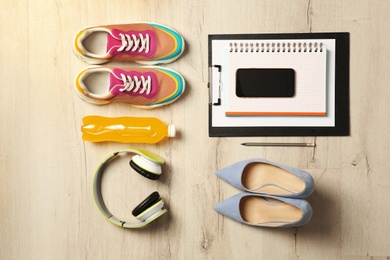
(265, 82)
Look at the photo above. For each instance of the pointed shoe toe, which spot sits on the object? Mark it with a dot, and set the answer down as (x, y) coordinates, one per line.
(265, 211)
(264, 177)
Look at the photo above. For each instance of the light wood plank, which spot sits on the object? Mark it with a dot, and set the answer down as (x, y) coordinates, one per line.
(15, 189)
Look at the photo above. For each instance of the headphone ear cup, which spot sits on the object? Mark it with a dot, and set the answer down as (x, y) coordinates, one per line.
(145, 167)
(146, 203)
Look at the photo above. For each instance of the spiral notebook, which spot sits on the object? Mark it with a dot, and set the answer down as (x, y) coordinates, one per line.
(277, 77)
(309, 94)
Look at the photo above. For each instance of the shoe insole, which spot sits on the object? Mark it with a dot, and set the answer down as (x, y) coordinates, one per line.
(259, 210)
(258, 174)
(96, 43)
(98, 83)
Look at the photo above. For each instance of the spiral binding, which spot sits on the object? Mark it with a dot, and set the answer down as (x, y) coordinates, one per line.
(276, 47)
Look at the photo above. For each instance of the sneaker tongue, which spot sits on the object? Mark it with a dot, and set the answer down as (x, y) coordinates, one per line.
(116, 83)
(114, 42)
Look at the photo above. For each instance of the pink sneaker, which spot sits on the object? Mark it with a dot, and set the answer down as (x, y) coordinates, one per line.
(145, 43)
(144, 87)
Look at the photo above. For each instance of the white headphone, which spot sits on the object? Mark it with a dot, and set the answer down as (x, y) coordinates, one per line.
(148, 165)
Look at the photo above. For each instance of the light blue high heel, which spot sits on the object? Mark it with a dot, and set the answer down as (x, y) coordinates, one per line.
(264, 177)
(265, 211)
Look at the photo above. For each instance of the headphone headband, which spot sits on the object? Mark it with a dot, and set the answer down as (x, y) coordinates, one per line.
(157, 210)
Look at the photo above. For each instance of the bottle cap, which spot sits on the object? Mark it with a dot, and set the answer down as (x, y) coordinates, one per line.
(171, 131)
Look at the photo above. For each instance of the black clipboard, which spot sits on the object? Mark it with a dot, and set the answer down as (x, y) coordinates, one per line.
(341, 125)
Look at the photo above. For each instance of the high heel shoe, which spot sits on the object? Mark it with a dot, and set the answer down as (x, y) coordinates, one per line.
(265, 211)
(264, 177)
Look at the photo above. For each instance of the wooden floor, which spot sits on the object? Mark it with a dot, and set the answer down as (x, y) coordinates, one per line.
(46, 170)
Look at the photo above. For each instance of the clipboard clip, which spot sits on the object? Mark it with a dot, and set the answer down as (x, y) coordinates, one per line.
(214, 85)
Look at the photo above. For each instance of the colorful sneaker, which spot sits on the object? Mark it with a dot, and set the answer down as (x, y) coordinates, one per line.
(144, 87)
(145, 43)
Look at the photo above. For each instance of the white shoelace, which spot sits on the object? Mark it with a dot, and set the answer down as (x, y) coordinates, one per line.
(143, 84)
(132, 42)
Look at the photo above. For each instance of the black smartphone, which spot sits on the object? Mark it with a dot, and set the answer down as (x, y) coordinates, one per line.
(259, 82)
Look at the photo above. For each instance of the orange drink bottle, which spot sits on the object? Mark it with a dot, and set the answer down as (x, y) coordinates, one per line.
(147, 130)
